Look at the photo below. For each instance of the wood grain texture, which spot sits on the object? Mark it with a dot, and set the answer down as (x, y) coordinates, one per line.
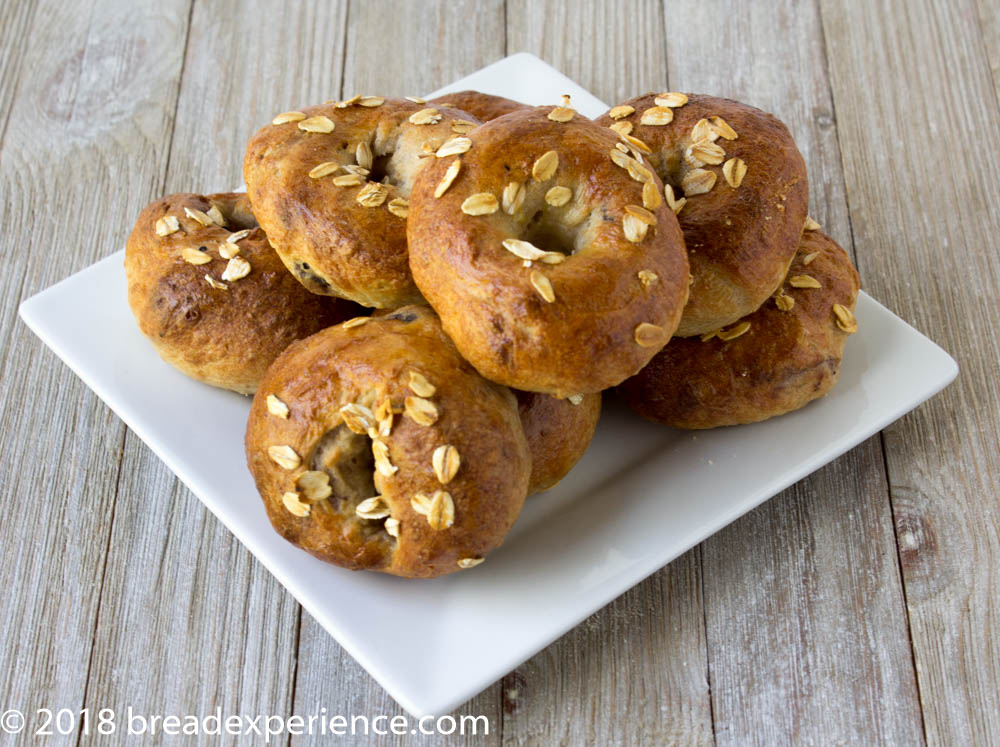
(431, 46)
(85, 142)
(633, 673)
(329, 678)
(925, 230)
(218, 629)
(188, 620)
(566, 692)
(247, 62)
(806, 629)
(615, 50)
(989, 23)
(15, 20)
(806, 625)
(402, 48)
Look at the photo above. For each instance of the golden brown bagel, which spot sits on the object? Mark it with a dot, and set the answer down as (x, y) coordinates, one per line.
(558, 433)
(592, 306)
(482, 106)
(226, 331)
(387, 408)
(741, 239)
(333, 202)
(788, 355)
(558, 430)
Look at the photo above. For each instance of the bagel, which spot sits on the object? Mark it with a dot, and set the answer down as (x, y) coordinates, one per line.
(329, 185)
(778, 359)
(375, 446)
(558, 432)
(739, 186)
(210, 293)
(482, 106)
(536, 251)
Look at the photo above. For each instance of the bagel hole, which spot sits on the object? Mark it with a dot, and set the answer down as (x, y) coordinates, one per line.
(235, 210)
(347, 458)
(671, 169)
(239, 219)
(549, 234)
(380, 170)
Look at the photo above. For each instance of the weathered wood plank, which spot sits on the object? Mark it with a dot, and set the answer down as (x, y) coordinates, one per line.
(15, 20)
(644, 655)
(85, 143)
(923, 207)
(433, 43)
(633, 673)
(614, 50)
(989, 22)
(246, 62)
(217, 629)
(806, 626)
(189, 621)
(400, 48)
(329, 678)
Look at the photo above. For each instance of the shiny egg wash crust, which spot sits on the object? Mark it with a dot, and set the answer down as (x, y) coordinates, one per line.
(409, 463)
(545, 246)
(775, 360)
(330, 185)
(211, 294)
(737, 182)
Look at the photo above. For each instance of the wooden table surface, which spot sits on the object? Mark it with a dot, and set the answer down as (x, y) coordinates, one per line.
(860, 605)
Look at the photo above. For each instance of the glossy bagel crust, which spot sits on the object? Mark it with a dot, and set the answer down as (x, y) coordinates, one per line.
(347, 240)
(558, 434)
(482, 106)
(740, 240)
(225, 334)
(370, 368)
(785, 359)
(583, 338)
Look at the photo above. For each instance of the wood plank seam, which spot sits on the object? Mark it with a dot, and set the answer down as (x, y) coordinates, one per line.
(104, 574)
(994, 71)
(177, 100)
(666, 56)
(343, 54)
(902, 584)
(298, 637)
(708, 649)
(505, 53)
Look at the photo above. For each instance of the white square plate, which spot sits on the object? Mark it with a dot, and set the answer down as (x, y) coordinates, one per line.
(642, 495)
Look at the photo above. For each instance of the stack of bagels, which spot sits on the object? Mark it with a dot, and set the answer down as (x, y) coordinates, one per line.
(427, 299)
